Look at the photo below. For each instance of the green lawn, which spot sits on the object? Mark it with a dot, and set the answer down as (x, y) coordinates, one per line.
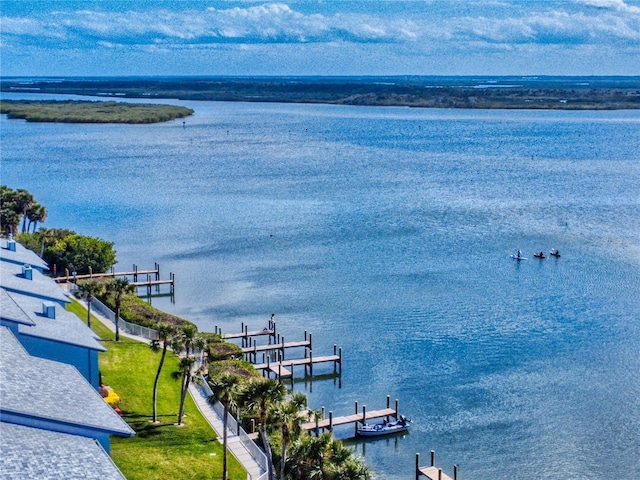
(158, 451)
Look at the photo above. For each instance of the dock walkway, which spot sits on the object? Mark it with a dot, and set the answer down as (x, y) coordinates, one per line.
(281, 368)
(358, 417)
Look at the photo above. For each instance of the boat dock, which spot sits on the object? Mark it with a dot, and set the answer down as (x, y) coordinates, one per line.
(432, 472)
(281, 368)
(278, 366)
(322, 423)
(246, 336)
(280, 346)
(152, 277)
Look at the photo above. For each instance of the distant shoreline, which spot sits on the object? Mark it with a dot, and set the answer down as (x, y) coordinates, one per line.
(535, 93)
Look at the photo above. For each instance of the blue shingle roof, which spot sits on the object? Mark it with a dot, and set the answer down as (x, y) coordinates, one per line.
(11, 311)
(12, 280)
(21, 255)
(52, 392)
(30, 453)
(66, 327)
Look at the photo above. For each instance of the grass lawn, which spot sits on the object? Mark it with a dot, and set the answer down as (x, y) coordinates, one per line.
(163, 450)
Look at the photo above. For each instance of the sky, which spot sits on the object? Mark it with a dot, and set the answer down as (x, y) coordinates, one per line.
(321, 37)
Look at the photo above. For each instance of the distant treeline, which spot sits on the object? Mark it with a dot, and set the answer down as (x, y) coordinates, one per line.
(568, 93)
(91, 112)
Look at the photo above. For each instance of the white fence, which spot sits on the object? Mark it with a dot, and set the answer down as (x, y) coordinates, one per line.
(132, 328)
(235, 429)
(232, 425)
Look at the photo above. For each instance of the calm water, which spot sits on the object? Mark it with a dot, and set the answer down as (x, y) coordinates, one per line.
(387, 231)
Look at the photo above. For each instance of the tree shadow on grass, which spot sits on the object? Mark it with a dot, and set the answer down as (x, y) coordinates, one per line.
(143, 426)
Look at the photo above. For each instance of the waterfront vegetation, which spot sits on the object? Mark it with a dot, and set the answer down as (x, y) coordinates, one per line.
(171, 447)
(91, 112)
(161, 450)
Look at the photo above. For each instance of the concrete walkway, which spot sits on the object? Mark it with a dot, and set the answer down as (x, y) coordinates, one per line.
(234, 444)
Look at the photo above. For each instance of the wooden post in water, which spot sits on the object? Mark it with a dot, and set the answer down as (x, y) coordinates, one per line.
(335, 363)
(340, 355)
(397, 409)
(364, 415)
(330, 420)
(455, 472)
(433, 458)
(311, 362)
(417, 466)
(157, 267)
(268, 366)
(389, 405)
(356, 423)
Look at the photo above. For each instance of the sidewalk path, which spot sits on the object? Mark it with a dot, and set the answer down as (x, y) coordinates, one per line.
(235, 446)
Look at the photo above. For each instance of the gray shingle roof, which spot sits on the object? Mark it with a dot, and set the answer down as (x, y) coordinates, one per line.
(11, 279)
(52, 391)
(29, 453)
(10, 310)
(21, 256)
(65, 328)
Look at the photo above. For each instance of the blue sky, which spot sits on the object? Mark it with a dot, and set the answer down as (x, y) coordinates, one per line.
(330, 37)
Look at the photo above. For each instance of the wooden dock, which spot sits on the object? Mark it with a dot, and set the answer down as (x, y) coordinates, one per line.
(278, 366)
(284, 368)
(152, 278)
(358, 417)
(251, 351)
(246, 335)
(432, 472)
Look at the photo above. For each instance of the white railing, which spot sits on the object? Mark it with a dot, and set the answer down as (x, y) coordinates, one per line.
(232, 425)
(235, 429)
(132, 328)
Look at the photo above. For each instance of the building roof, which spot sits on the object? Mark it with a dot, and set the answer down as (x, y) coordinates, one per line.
(11, 311)
(13, 280)
(66, 327)
(51, 392)
(27, 452)
(21, 255)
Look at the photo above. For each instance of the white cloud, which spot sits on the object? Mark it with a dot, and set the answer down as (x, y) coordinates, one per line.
(618, 5)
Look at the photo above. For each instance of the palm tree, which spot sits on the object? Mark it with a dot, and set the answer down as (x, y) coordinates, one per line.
(258, 395)
(36, 213)
(289, 415)
(185, 373)
(165, 334)
(120, 287)
(184, 343)
(90, 289)
(225, 390)
(309, 454)
(47, 237)
(23, 200)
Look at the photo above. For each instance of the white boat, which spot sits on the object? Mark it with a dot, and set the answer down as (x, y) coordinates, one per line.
(518, 257)
(385, 428)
